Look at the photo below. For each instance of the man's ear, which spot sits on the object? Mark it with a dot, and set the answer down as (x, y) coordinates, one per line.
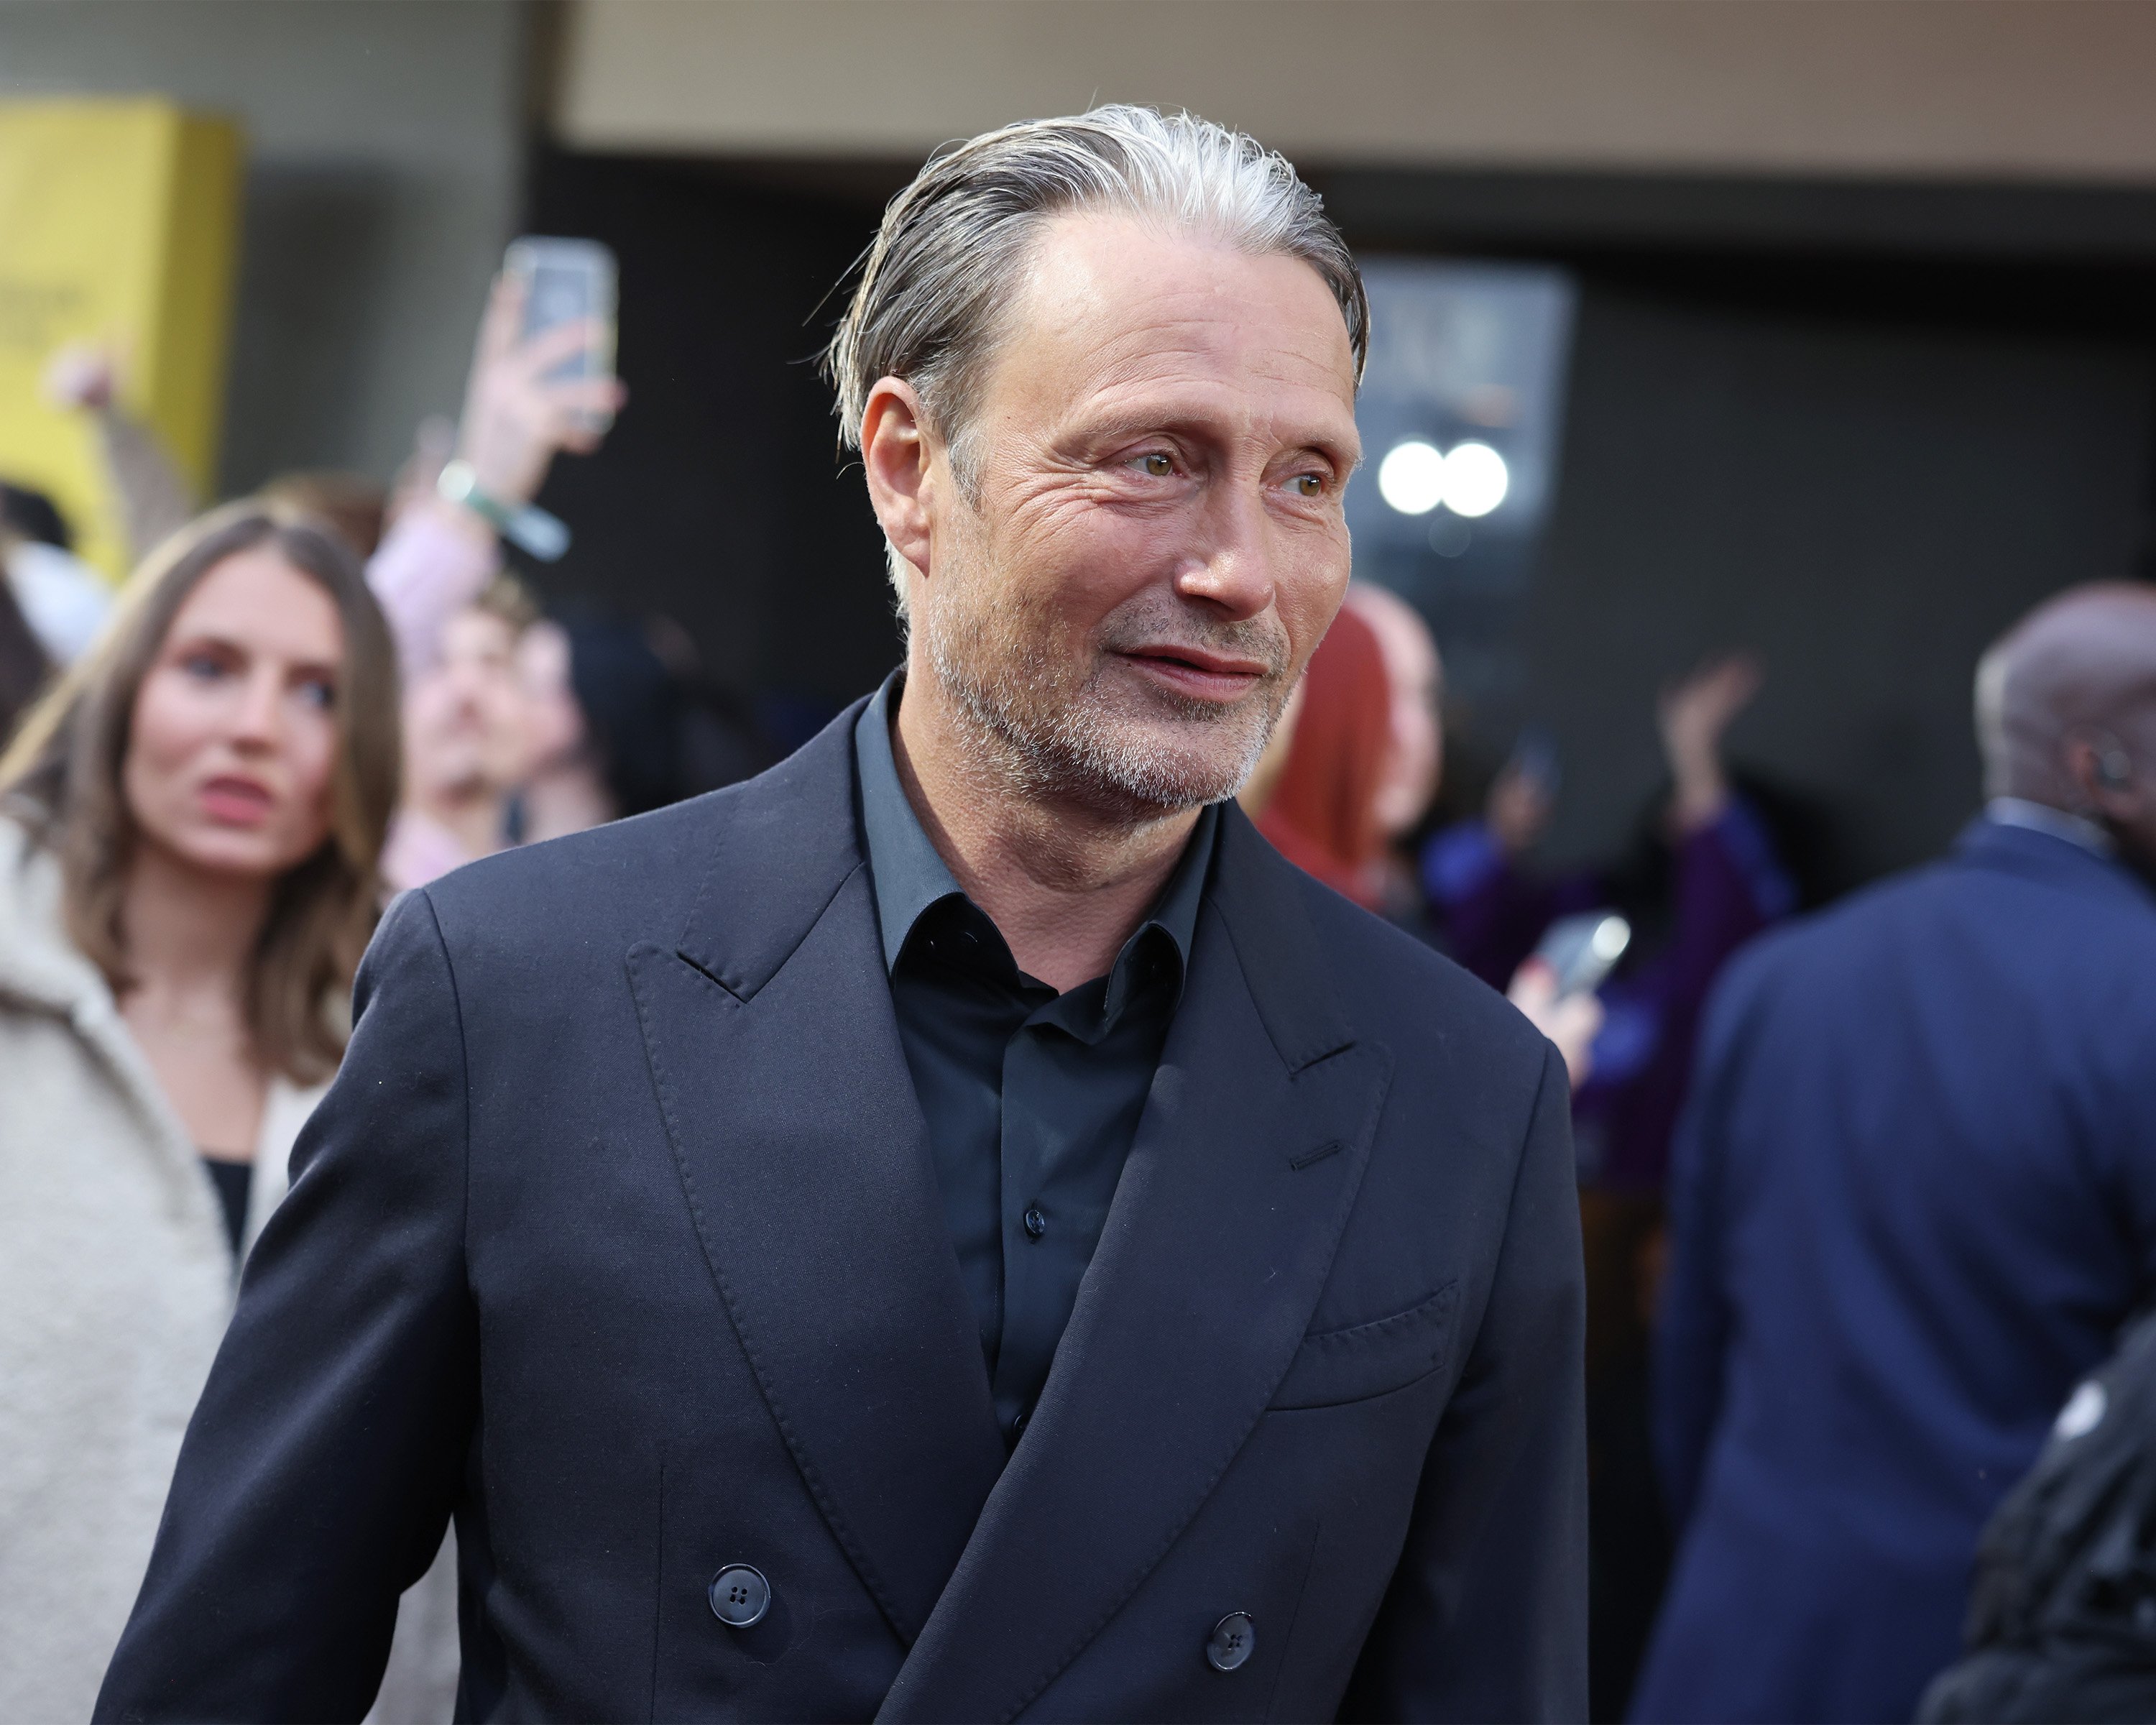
(2101, 770)
(897, 456)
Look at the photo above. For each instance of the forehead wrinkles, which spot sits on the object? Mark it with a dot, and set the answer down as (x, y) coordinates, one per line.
(1199, 350)
(1166, 307)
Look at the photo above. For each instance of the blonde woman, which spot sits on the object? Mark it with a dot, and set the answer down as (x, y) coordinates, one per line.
(189, 829)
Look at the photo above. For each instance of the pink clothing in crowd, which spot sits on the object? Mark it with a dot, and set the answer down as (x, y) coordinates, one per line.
(424, 572)
(419, 850)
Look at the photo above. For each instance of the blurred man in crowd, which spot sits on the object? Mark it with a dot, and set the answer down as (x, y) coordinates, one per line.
(469, 740)
(1914, 1199)
(956, 1225)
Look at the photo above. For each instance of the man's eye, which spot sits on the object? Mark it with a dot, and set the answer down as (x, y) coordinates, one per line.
(1159, 464)
(1308, 484)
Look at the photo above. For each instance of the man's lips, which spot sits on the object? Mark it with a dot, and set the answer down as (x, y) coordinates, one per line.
(233, 801)
(1193, 671)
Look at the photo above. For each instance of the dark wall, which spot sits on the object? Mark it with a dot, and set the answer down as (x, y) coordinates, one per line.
(719, 498)
(1856, 428)
(1866, 502)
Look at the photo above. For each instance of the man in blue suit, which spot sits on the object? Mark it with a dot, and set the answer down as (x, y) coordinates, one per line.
(1913, 1200)
(956, 1228)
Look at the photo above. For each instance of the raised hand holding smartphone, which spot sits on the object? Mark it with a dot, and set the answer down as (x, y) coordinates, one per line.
(542, 381)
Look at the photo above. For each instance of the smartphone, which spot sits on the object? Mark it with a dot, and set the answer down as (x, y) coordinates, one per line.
(568, 281)
(1583, 950)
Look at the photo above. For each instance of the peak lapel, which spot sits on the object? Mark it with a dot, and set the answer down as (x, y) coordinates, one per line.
(1222, 1232)
(805, 1160)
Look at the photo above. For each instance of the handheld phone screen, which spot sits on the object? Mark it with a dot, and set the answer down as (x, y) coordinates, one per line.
(1583, 950)
(568, 281)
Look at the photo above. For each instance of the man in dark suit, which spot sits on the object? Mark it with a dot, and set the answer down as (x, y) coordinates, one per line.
(1914, 1199)
(956, 1227)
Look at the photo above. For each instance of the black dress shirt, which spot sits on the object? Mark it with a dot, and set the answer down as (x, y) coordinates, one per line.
(1032, 1097)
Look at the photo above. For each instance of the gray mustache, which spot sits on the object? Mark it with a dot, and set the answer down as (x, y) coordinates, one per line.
(1227, 640)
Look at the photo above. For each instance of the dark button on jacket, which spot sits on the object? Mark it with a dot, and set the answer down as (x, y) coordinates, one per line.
(740, 1596)
(1032, 1097)
(1232, 1640)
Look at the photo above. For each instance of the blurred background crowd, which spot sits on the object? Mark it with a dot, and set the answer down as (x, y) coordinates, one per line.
(1740, 375)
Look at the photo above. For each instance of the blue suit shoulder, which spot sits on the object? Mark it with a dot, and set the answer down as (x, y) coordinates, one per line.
(1999, 880)
(628, 878)
(2004, 907)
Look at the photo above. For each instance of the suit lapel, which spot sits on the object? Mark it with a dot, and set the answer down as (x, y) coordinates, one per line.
(805, 1159)
(1211, 1260)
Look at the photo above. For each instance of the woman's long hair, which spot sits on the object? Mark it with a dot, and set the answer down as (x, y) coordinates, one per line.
(1323, 814)
(62, 779)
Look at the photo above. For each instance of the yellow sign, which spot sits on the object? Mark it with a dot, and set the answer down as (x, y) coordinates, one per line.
(119, 224)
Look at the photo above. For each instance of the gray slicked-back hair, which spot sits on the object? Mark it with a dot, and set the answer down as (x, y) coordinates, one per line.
(942, 267)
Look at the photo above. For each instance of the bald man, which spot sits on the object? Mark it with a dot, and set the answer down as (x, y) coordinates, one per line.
(1913, 1200)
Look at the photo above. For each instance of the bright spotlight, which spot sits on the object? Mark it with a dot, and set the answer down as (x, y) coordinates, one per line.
(1414, 477)
(1475, 479)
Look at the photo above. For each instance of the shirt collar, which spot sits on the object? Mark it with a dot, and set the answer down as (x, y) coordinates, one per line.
(2042, 818)
(908, 873)
(910, 877)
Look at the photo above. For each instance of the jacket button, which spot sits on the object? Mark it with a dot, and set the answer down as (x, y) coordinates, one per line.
(740, 1596)
(1231, 1642)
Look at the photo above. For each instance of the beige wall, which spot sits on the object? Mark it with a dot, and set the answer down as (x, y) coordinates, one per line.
(1980, 89)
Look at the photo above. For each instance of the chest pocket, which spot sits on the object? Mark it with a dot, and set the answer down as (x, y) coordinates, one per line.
(1373, 1358)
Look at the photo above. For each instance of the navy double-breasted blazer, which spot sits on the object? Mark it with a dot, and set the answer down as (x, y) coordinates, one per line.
(1913, 1200)
(617, 1240)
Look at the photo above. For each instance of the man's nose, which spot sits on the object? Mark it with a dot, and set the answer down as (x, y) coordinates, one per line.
(1232, 566)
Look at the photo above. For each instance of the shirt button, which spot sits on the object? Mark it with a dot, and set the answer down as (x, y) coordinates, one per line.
(740, 1596)
(1231, 1642)
(1036, 1224)
(1017, 1423)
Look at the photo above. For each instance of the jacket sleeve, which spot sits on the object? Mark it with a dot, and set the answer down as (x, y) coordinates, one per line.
(321, 1465)
(1487, 1614)
(1692, 1329)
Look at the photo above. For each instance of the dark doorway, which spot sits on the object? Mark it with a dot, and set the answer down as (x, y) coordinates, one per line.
(720, 500)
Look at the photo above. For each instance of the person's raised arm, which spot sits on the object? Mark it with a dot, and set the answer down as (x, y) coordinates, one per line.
(1487, 1614)
(1692, 716)
(324, 1460)
(517, 418)
(154, 501)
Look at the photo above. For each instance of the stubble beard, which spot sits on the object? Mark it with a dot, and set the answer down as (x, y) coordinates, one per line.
(1050, 739)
